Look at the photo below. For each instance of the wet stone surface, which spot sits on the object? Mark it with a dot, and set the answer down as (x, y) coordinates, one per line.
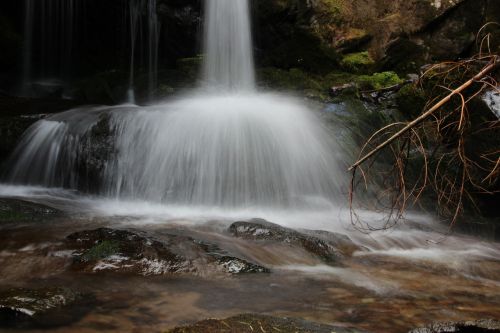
(14, 210)
(478, 326)
(135, 252)
(250, 323)
(329, 247)
(45, 308)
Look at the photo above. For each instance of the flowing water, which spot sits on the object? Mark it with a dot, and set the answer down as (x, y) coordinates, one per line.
(51, 27)
(228, 43)
(143, 25)
(227, 152)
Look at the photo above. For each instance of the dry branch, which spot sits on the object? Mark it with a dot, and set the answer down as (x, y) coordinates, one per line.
(492, 65)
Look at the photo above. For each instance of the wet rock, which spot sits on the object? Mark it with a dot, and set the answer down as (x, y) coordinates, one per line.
(235, 265)
(96, 149)
(349, 88)
(14, 210)
(250, 323)
(18, 114)
(330, 247)
(478, 326)
(47, 307)
(134, 252)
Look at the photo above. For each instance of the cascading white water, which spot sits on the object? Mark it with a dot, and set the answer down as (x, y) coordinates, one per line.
(230, 147)
(153, 46)
(136, 10)
(228, 43)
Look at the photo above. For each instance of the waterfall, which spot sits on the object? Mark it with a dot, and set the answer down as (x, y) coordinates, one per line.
(28, 45)
(228, 45)
(137, 10)
(228, 147)
(134, 12)
(50, 29)
(153, 47)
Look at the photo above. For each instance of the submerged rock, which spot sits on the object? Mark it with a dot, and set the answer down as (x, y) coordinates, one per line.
(15, 210)
(137, 253)
(330, 247)
(250, 323)
(47, 307)
(478, 326)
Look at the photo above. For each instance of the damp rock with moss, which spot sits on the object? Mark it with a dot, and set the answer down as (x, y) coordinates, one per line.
(135, 252)
(44, 308)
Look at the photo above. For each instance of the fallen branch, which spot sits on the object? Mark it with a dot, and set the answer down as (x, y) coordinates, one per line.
(490, 67)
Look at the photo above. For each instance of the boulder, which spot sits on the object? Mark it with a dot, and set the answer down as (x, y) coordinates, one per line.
(329, 247)
(134, 252)
(40, 308)
(250, 323)
(478, 326)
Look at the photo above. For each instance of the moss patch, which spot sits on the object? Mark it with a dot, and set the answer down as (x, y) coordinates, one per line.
(102, 250)
(411, 101)
(357, 62)
(378, 80)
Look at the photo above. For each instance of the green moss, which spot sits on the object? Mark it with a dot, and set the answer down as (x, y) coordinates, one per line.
(101, 250)
(357, 62)
(411, 101)
(378, 80)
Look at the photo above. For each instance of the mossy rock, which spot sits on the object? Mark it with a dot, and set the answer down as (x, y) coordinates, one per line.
(101, 250)
(353, 40)
(43, 308)
(411, 101)
(295, 79)
(360, 62)
(378, 80)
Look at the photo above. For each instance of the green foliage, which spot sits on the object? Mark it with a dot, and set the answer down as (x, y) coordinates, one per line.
(357, 62)
(102, 250)
(378, 80)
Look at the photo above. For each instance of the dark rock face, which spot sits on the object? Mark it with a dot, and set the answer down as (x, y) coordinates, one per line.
(479, 326)
(250, 323)
(96, 148)
(328, 246)
(43, 308)
(133, 252)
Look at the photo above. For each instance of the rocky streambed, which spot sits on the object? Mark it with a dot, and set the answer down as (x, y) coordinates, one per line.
(72, 271)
